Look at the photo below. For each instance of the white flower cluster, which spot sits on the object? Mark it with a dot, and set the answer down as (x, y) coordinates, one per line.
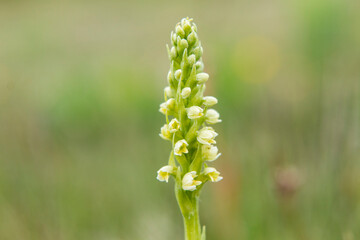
(192, 141)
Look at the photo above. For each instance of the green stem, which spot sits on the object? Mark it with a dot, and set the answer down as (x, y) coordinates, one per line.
(192, 223)
(189, 206)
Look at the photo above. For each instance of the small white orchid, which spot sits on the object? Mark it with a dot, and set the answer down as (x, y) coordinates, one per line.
(167, 106)
(164, 173)
(188, 116)
(165, 132)
(209, 101)
(188, 182)
(180, 147)
(210, 153)
(206, 136)
(212, 116)
(174, 125)
(194, 112)
(213, 174)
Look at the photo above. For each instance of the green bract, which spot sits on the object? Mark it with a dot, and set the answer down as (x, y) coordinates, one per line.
(187, 116)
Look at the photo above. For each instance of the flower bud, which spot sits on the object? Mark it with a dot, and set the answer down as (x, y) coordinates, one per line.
(212, 116)
(179, 31)
(169, 76)
(183, 44)
(187, 27)
(194, 27)
(194, 112)
(173, 38)
(199, 66)
(202, 77)
(171, 104)
(168, 92)
(209, 101)
(191, 59)
(167, 107)
(198, 52)
(192, 38)
(173, 53)
(185, 92)
(178, 74)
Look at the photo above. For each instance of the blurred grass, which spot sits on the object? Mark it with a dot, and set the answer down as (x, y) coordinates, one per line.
(80, 85)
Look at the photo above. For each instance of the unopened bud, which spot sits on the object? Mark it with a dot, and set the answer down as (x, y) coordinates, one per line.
(194, 27)
(185, 92)
(198, 52)
(179, 31)
(192, 38)
(178, 74)
(173, 38)
(183, 44)
(187, 27)
(191, 59)
(199, 66)
(173, 53)
(168, 92)
(169, 76)
(202, 77)
(210, 101)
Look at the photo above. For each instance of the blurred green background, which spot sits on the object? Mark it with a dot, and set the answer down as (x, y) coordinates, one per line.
(80, 87)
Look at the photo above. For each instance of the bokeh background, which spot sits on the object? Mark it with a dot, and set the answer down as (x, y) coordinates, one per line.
(80, 87)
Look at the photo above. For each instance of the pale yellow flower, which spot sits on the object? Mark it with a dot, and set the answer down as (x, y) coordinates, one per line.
(210, 153)
(206, 136)
(167, 106)
(165, 132)
(213, 174)
(194, 112)
(164, 173)
(180, 147)
(188, 182)
(212, 116)
(174, 125)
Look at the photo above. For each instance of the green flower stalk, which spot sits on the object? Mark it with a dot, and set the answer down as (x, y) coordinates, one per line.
(191, 138)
